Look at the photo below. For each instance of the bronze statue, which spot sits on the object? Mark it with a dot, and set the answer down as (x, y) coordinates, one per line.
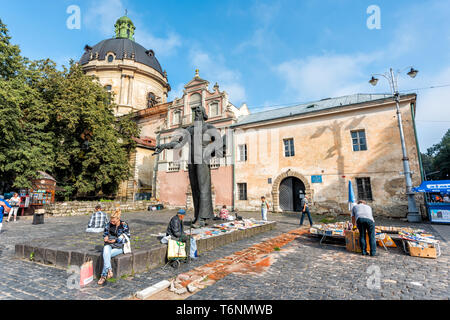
(205, 142)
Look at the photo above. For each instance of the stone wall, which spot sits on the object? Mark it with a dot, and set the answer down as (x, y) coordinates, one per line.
(76, 208)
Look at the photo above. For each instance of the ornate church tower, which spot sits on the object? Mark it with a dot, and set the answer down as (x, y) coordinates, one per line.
(125, 28)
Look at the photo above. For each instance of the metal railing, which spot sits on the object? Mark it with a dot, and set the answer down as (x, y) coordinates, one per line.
(173, 167)
(214, 163)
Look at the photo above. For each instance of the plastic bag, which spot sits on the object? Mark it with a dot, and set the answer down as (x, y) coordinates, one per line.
(193, 253)
(165, 239)
(87, 273)
(176, 249)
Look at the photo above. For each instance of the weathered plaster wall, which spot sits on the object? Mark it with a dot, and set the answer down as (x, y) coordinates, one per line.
(172, 187)
(323, 146)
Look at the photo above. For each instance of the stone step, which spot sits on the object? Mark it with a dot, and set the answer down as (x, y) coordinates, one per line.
(138, 261)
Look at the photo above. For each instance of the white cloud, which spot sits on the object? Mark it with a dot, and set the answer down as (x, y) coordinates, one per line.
(161, 46)
(213, 69)
(324, 76)
(102, 15)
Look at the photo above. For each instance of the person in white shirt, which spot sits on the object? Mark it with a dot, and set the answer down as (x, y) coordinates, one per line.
(14, 202)
(362, 217)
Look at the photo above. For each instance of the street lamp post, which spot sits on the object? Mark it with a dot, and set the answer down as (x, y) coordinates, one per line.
(413, 213)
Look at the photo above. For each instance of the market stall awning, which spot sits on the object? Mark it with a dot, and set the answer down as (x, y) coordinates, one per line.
(434, 186)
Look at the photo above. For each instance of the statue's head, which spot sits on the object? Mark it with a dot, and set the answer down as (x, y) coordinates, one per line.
(200, 113)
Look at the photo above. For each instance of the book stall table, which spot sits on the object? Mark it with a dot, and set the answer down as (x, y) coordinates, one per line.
(332, 231)
(417, 241)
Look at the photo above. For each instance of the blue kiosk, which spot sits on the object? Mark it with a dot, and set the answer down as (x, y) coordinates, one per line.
(435, 192)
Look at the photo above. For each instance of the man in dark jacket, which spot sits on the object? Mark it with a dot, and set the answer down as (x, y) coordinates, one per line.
(175, 227)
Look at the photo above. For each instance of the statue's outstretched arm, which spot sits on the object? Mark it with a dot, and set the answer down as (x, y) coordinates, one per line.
(170, 145)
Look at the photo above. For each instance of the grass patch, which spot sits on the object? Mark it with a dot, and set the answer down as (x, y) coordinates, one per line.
(328, 220)
(124, 277)
(276, 249)
(112, 280)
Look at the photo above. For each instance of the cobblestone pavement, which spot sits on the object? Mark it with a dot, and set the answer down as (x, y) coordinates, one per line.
(303, 269)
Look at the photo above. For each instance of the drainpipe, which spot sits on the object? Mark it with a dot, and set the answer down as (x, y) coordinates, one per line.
(413, 116)
(417, 143)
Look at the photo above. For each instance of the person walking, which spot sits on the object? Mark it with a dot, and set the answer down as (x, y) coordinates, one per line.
(362, 217)
(305, 210)
(4, 207)
(14, 202)
(116, 236)
(264, 208)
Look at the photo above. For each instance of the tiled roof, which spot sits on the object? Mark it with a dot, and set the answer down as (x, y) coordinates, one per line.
(45, 176)
(119, 47)
(309, 107)
(146, 141)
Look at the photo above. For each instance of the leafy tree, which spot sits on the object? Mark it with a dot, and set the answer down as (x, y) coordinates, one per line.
(437, 158)
(93, 147)
(61, 122)
(441, 152)
(24, 144)
(11, 63)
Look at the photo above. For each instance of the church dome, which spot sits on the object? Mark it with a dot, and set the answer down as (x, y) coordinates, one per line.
(122, 46)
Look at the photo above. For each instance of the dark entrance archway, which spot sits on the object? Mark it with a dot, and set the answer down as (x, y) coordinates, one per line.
(291, 189)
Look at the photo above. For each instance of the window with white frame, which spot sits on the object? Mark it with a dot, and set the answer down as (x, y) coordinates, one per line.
(289, 147)
(176, 117)
(242, 153)
(359, 140)
(163, 154)
(195, 100)
(214, 109)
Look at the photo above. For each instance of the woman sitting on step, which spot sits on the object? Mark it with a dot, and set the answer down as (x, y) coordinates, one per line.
(117, 241)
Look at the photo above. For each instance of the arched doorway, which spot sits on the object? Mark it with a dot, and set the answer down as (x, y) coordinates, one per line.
(291, 190)
(277, 183)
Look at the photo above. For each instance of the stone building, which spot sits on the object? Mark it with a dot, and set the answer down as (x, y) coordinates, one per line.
(138, 85)
(315, 149)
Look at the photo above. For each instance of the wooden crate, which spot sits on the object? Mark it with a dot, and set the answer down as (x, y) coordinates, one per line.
(427, 252)
(352, 241)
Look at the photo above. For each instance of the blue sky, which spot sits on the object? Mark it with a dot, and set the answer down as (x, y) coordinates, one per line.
(264, 53)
